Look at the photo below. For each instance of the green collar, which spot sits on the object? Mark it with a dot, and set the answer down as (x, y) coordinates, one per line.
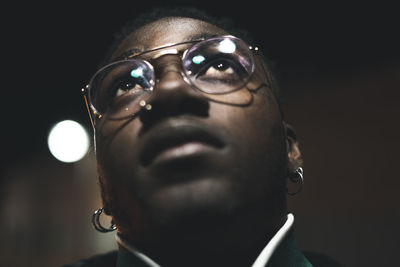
(288, 254)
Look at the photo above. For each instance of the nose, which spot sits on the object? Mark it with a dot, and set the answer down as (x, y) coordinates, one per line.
(172, 95)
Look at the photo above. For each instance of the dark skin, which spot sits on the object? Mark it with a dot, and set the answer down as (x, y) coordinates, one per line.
(205, 203)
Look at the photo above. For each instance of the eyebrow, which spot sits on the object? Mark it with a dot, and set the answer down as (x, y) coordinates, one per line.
(193, 38)
(127, 53)
(202, 36)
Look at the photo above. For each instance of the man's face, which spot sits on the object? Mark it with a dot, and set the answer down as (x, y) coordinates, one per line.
(190, 160)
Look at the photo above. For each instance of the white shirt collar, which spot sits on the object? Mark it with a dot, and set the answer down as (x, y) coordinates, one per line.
(273, 244)
(261, 261)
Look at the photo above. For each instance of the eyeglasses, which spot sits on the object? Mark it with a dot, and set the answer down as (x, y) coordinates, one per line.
(218, 65)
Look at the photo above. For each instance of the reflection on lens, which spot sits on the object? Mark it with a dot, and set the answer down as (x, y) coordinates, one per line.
(227, 46)
(120, 86)
(218, 65)
(198, 59)
(136, 73)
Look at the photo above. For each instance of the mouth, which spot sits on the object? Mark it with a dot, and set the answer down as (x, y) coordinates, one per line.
(178, 140)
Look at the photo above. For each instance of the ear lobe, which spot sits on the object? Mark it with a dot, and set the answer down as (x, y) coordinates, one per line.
(103, 190)
(295, 159)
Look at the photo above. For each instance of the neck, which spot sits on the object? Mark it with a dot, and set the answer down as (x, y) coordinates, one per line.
(233, 244)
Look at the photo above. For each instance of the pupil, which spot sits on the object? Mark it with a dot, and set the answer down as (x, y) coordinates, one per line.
(221, 66)
(128, 85)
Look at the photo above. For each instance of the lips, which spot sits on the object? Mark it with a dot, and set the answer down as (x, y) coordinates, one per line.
(178, 138)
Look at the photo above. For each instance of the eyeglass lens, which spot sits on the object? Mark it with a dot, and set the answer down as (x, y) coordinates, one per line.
(214, 66)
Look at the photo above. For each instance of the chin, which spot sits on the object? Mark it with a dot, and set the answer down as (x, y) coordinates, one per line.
(196, 203)
(195, 196)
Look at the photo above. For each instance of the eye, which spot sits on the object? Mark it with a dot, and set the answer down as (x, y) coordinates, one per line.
(125, 86)
(133, 81)
(221, 69)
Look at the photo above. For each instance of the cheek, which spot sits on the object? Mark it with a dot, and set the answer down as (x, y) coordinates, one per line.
(266, 130)
(257, 125)
(238, 98)
(116, 151)
(256, 137)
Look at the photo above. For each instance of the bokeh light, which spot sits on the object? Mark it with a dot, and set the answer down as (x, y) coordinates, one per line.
(68, 141)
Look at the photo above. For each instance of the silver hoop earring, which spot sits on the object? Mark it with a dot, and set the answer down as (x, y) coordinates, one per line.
(295, 178)
(97, 225)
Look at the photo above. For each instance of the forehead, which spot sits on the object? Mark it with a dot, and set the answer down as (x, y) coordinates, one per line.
(166, 31)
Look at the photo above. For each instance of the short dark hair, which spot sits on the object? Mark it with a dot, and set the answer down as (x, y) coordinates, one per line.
(223, 22)
(157, 13)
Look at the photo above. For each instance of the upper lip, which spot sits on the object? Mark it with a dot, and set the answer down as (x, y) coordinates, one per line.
(173, 133)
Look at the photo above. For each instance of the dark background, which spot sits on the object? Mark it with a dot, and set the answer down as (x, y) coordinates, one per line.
(339, 70)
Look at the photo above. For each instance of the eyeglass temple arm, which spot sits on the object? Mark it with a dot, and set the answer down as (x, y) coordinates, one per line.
(87, 106)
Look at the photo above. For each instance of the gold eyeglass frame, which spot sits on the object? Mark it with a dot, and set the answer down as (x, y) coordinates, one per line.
(91, 109)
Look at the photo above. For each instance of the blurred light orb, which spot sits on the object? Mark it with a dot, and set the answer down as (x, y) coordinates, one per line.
(68, 141)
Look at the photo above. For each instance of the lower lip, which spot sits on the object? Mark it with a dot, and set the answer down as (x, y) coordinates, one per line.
(183, 151)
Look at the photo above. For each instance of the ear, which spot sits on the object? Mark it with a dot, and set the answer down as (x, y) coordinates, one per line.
(295, 159)
(103, 190)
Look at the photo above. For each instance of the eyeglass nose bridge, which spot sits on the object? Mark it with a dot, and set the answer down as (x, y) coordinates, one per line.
(167, 51)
